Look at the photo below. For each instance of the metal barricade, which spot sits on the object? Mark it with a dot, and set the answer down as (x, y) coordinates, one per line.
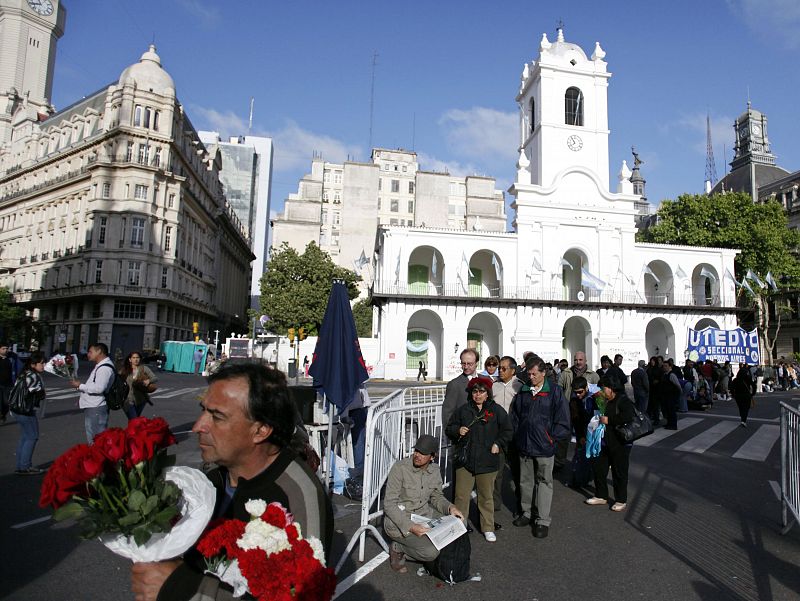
(393, 425)
(790, 466)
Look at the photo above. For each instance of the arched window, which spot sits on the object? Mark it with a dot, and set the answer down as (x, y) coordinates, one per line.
(573, 107)
(533, 114)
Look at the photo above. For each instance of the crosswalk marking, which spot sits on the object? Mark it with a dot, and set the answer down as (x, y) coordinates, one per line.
(176, 392)
(759, 445)
(705, 440)
(661, 434)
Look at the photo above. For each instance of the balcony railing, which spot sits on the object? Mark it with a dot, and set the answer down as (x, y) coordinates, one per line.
(545, 294)
(122, 290)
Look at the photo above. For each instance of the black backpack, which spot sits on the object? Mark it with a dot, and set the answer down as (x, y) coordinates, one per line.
(452, 563)
(117, 391)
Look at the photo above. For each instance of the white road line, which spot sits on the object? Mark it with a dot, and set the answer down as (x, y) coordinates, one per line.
(31, 523)
(62, 395)
(704, 441)
(758, 446)
(661, 434)
(176, 393)
(360, 573)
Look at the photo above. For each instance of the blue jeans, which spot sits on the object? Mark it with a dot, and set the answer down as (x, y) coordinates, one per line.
(132, 411)
(95, 420)
(27, 441)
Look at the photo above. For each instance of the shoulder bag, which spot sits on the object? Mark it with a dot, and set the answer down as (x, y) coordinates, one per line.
(639, 427)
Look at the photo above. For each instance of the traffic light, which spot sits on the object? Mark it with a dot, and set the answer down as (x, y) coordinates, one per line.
(290, 333)
(301, 334)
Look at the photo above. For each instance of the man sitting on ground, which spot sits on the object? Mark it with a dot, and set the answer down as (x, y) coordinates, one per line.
(414, 485)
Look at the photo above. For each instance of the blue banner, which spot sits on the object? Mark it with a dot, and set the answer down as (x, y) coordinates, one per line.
(736, 346)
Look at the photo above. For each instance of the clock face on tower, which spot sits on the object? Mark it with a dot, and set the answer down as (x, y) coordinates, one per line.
(43, 7)
(756, 129)
(574, 142)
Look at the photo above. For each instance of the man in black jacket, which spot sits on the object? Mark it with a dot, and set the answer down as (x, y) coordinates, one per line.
(540, 417)
(245, 427)
(455, 394)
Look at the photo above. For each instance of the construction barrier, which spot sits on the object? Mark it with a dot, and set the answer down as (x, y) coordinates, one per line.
(790, 466)
(393, 425)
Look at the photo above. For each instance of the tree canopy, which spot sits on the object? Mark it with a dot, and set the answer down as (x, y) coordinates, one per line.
(296, 287)
(15, 325)
(732, 220)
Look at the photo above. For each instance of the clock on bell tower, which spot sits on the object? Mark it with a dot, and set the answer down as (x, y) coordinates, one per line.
(563, 102)
(752, 143)
(29, 31)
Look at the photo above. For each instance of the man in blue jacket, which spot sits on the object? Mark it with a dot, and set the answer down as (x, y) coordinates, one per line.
(540, 417)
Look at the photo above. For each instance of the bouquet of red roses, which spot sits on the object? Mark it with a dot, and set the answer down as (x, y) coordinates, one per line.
(268, 556)
(121, 490)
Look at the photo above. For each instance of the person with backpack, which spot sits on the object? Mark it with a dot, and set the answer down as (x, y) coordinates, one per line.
(93, 392)
(30, 396)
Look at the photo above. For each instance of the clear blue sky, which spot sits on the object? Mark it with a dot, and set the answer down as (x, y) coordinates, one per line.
(447, 73)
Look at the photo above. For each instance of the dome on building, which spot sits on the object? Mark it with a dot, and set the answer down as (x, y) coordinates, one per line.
(148, 74)
(738, 180)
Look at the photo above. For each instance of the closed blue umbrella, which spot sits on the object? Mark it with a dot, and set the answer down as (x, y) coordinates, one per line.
(338, 367)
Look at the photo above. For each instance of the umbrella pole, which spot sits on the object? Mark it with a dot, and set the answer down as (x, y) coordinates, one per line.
(329, 448)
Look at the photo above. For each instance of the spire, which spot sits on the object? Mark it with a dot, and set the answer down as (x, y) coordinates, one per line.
(636, 177)
(711, 168)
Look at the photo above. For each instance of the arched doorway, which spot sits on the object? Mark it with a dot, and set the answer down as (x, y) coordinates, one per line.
(484, 334)
(424, 343)
(660, 339)
(425, 271)
(658, 285)
(485, 274)
(570, 265)
(704, 323)
(577, 336)
(705, 285)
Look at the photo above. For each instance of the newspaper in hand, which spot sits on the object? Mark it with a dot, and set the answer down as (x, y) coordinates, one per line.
(443, 530)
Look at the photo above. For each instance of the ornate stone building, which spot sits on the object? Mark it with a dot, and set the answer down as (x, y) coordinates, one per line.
(113, 224)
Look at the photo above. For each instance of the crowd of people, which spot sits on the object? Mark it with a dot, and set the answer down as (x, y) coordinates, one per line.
(512, 423)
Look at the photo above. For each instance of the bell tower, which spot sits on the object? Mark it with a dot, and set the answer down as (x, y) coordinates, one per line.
(563, 103)
(29, 31)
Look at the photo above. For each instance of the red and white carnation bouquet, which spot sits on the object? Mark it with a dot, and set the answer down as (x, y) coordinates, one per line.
(268, 556)
(121, 491)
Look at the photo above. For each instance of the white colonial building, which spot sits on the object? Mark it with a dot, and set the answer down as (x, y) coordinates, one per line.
(571, 276)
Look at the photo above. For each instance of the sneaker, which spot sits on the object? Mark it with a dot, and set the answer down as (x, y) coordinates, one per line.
(596, 501)
(743, 425)
(490, 537)
(31, 471)
(540, 531)
(619, 506)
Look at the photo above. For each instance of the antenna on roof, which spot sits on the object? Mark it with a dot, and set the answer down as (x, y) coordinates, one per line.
(250, 121)
(711, 168)
(372, 98)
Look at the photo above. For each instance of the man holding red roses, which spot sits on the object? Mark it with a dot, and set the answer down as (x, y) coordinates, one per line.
(245, 427)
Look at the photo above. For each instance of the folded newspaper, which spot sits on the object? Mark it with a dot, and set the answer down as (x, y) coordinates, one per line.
(443, 530)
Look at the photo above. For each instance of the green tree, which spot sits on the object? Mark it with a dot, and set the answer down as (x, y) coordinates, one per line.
(296, 287)
(732, 220)
(14, 323)
(362, 313)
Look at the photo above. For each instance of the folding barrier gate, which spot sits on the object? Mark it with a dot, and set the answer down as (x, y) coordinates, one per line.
(790, 466)
(393, 425)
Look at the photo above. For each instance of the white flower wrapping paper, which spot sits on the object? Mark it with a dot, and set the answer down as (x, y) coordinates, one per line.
(196, 507)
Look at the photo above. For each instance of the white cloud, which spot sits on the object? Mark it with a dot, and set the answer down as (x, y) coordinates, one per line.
(485, 135)
(206, 15)
(772, 20)
(428, 162)
(295, 147)
(695, 126)
(226, 123)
